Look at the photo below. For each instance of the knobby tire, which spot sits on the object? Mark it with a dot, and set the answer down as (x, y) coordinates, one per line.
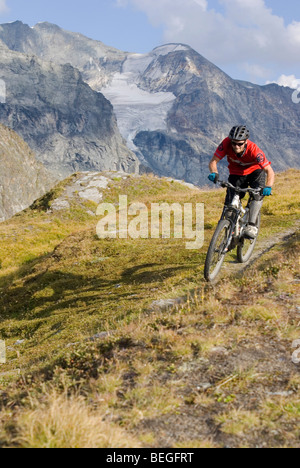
(215, 257)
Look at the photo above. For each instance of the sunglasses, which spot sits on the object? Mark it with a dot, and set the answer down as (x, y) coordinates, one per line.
(236, 143)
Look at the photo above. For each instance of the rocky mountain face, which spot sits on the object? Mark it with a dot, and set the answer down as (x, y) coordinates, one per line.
(22, 178)
(94, 59)
(208, 103)
(172, 105)
(68, 125)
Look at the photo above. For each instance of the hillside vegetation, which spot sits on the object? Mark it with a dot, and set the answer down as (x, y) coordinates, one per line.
(94, 361)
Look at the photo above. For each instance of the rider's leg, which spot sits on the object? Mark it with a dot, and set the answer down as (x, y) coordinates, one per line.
(254, 209)
(256, 180)
(236, 181)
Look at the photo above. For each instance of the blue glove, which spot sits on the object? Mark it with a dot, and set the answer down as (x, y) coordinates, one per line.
(267, 191)
(213, 177)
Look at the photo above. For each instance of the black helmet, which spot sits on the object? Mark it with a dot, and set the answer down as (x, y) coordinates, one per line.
(239, 133)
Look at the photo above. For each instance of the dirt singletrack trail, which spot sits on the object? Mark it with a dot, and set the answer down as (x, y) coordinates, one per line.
(262, 247)
(231, 267)
(240, 392)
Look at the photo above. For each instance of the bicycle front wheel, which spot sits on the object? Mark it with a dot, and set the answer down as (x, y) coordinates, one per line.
(215, 254)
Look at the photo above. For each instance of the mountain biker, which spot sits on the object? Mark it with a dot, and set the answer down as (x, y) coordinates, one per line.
(248, 166)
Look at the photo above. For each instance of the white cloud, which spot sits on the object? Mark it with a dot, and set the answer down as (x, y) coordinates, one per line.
(3, 6)
(245, 31)
(293, 30)
(290, 81)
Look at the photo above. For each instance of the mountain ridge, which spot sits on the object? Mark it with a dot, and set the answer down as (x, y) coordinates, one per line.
(68, 125)
(176, 95)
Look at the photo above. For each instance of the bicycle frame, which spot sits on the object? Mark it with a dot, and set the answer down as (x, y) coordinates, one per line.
(236, 212)
(236, 207)
(230, 232)
(233, 214)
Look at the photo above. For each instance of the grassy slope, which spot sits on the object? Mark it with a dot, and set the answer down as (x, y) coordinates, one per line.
(202, 374)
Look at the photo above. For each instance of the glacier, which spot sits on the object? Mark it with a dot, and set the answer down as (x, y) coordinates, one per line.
(135, 108)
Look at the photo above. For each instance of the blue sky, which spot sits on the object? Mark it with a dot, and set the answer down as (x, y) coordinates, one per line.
(255, 40)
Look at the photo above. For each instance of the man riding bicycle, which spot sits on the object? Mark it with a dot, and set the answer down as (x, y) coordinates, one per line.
(248, 166)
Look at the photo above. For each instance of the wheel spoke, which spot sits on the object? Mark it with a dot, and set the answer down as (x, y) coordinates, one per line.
(215, 255)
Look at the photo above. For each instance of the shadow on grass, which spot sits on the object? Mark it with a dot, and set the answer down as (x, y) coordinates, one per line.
(33, 295)
(134, 275)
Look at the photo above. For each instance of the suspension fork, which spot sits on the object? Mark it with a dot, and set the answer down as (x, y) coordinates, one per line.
(232, 226)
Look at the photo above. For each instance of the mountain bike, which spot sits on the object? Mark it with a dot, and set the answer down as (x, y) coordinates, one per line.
(229, 233)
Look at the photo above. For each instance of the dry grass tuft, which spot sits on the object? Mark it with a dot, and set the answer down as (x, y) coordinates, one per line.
(67, 422)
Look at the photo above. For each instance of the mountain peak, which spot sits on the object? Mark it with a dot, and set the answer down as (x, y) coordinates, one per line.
(171, 47)
(15, 25)
(47, 25)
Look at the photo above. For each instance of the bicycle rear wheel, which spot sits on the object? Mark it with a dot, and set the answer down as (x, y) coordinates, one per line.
(215, 254)
(246, 246)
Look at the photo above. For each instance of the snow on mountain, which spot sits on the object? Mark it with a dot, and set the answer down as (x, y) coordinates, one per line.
(135, 108)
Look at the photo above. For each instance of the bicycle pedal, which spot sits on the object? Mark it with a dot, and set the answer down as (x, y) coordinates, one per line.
(248, 237)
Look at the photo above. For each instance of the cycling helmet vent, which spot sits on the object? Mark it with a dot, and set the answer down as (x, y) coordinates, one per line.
(239, 133)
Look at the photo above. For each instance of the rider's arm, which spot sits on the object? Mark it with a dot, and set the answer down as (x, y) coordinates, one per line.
(270, 176)
(213, 164)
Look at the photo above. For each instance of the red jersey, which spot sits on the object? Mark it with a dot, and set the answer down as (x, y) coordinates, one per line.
(252, 159)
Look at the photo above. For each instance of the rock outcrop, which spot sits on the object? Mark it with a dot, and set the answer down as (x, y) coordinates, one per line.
(22, 178)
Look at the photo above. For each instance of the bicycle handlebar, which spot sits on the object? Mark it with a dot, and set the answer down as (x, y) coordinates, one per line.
(240, 190)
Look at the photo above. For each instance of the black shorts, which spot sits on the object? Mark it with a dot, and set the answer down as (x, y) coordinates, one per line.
(256, 179)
